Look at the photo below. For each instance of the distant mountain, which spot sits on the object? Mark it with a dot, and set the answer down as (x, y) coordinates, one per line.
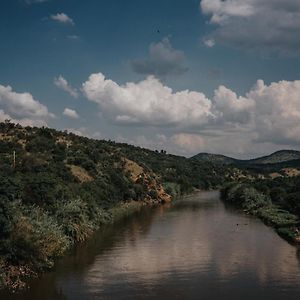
(277, 157)
(215, 158)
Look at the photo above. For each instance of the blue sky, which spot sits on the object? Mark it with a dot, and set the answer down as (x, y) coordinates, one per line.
(49, 49)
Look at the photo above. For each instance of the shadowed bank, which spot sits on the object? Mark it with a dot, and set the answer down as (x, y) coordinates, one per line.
(192, 247)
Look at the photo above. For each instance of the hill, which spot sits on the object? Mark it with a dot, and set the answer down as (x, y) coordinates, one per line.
(57, 188)
(214, 158)
(278, 157)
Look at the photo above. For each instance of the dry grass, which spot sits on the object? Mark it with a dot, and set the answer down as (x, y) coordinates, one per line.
(80, 173)
(291, 172)
(134, 169)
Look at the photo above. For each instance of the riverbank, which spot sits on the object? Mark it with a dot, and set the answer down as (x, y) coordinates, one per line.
(255, 203)
(13, 277)
(56, 189)
(168, 250)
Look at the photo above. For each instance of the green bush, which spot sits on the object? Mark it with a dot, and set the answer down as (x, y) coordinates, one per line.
(36, 239)
(293, 202)
(73, 217)
(278, 217)
(8, 216)
(278, 195)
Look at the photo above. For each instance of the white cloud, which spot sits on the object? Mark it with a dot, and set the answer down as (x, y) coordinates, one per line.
(163, 60)
(228, 107)
(191, 143)
(147, 102)
(272, 111)
(222, 10)
(156, 142)
(63, 84)
(209, 42)
(80, 131)
(25, 121)
(62, 18)
(235, 144)
(264, 25)
(22, 105)
(96, 135)
(277, 111)
(71, 113)
(83, 131)
(266, 114)
(4, 116)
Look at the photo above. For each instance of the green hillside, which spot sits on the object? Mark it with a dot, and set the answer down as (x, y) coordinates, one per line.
(214, 158)
(276, 157)
(57, 188)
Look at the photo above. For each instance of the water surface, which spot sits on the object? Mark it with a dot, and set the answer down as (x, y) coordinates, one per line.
(192, 249)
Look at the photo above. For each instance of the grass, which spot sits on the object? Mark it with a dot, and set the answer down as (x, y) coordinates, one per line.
(50, 241)
(277, 217)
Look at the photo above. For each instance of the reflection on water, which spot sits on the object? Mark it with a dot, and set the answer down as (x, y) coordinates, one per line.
(192, 249)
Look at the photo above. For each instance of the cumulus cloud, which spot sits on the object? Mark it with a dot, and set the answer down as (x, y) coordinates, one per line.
(71, 113)
(147, 102)
(264, 25)
(163, 60)
(63, 84)
(62, 18)
(277, 111)
(4, 116)
(228, 107)
(188, 142)
(266, 114)
(222, 10)
(22, 105)
(22, 108)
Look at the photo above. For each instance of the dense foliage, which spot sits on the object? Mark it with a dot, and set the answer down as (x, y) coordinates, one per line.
(275, 201)
(56, 188)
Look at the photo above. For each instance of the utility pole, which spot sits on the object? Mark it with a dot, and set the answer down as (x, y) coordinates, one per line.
(14, 159)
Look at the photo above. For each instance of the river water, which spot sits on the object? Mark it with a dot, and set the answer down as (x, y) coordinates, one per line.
(193, 249)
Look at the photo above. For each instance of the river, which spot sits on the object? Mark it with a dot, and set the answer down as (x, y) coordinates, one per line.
(195, 248)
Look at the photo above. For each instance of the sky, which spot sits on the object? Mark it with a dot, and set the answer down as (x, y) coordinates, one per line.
(185, 76)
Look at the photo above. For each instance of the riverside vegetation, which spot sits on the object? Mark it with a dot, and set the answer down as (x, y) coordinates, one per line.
(275, 201)
(270, 190)
(57, 188)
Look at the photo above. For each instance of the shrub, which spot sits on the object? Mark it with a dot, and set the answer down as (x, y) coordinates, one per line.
(293, 202)
(245, 196)
(72, 215)
(36, 239)
(278, 195)
(8, 216)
